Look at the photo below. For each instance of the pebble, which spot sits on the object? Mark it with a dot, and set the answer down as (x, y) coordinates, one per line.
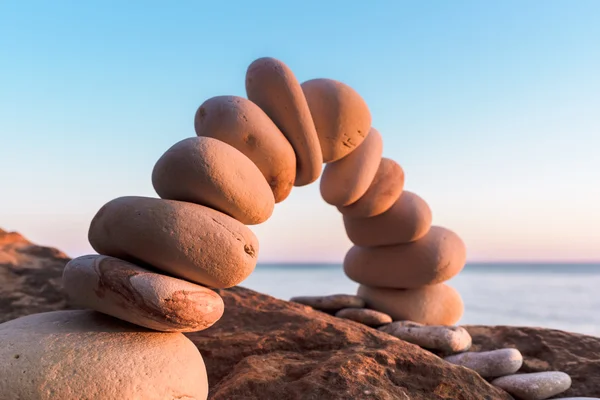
(383, 192)
(189, 241)
(209, 172)
(346, 180)
(364, 316)
(272, 86)
(534, 386)
(435, 258)
(490, 364)
(446, 339)
(408, 220)
(432, 305)
(244, 125)
(136, 295)
(334, 302)
(76, 354)
(342, 118)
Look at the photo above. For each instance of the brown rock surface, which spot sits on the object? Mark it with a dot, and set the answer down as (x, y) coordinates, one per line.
(272, 86)
(341, 116)
(30, 277)
(245, 126)
(548, 350)
(386, 187)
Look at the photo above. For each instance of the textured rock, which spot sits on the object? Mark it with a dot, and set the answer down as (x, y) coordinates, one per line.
(534, 386)
(548, 350)
(432, 305)
(408, 220)
(245, 126)
(332, 302)
(209, 172)
(346, 180)
(264, 348)
(364, 316)
(435, 258)
(490, 364)
(136, 295)
(274, 88)
(30, 277)
(70, 355)
(341, 116)
(192, 242)
(386, 187)
(445, 339)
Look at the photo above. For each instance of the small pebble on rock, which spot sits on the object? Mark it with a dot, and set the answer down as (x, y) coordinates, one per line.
(334, 302)
(447, 339)
(364, 316)
(534, 386)
(490, 364)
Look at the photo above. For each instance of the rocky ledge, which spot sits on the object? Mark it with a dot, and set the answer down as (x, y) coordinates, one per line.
(264, 348)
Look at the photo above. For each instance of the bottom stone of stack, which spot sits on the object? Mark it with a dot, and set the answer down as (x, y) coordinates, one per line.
(78, 354)
(128, 292)
(437, 304)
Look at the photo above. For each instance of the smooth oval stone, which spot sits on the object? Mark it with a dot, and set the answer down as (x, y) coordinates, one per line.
(432, 305)
(490, 364)
(408, 220)
(534, 386)
(340, 115)
(332, 302)
(244, 125)
(346, 180)
(77, 354)
(364, 316)
(189, 241)
(446, 339)
(435, 258)
(383, 192)
(136, 295)
(272, 86)
(209, 172)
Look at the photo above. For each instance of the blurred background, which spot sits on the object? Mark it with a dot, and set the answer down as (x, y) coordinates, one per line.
(492, 109)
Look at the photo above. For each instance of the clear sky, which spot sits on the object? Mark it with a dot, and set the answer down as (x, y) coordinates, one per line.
(492, 108)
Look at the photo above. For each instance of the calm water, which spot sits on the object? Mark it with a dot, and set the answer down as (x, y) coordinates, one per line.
(560, 296)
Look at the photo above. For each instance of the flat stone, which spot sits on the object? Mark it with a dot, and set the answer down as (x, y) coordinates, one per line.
(408, 220)
(71, 355)
(244, 125)
(346, 180)
(435, 258)
(534, 386)
(432, 305)
(446, 339)
(342, 118)
(490, 364)
(211, 173)
(136, 295)
(272, 86)
(334, 302)
(189, 241)
(364, 316)
(383, 192)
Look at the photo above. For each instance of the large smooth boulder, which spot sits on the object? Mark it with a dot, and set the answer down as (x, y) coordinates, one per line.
(244, 125)
(73, 355)
(342, 118)
(128, 292)
(187, 240)
(435, 258)
(272, 86)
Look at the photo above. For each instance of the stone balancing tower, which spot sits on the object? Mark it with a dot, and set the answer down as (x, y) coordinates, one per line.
(159, 258)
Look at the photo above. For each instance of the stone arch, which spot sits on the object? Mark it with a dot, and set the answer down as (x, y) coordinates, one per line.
(159, 258)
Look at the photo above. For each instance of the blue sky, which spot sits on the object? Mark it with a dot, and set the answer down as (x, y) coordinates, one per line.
(492, 108)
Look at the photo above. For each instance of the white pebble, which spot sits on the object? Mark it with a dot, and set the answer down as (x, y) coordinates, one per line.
(534, 386)
(490, 364)
(447, 339)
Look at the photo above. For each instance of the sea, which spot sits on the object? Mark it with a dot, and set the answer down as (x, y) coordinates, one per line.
(558, 296)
